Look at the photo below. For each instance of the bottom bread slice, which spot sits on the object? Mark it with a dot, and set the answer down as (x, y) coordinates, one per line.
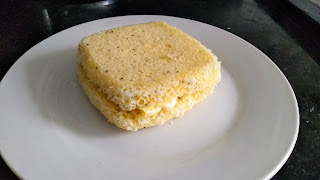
(136, 119)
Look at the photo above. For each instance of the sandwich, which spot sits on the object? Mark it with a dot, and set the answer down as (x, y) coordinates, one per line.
(142, 75)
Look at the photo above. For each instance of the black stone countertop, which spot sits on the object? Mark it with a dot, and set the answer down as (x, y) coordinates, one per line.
(283, 32)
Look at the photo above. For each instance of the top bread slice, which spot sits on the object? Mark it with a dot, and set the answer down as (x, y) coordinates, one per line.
(147, 65)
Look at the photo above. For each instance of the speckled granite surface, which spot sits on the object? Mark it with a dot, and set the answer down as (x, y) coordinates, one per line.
(282, 32)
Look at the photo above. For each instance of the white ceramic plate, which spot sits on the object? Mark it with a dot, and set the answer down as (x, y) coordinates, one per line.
(48, 129)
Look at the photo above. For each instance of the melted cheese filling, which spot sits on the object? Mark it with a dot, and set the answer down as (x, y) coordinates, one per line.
(169, 105)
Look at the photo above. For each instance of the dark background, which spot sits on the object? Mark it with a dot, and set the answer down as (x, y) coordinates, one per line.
(284, 33)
